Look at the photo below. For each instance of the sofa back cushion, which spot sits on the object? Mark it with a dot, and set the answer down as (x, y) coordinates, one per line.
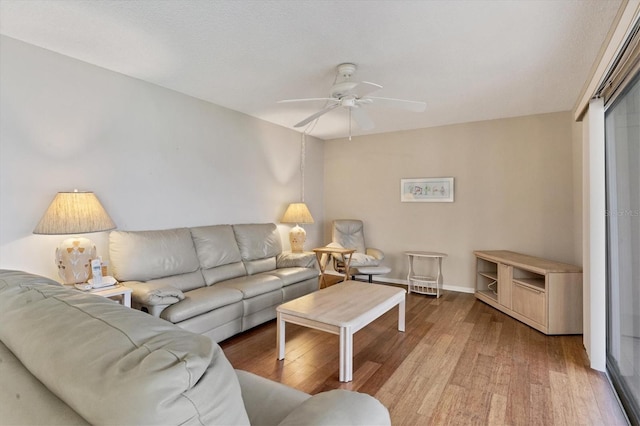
(115, 365)
(148, 255)
(259, 244)
(218, 253)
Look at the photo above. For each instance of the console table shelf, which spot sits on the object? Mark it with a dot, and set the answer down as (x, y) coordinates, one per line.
(541, 293)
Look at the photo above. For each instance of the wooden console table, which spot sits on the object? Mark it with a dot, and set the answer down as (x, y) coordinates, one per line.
(543, 294)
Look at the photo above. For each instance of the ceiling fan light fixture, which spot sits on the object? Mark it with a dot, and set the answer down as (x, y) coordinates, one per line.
(348, 102)
(343, 88)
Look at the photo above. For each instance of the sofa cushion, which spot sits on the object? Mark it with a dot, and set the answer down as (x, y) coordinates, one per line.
(114, 365)
(300, 260)
(258, 240)
(216, 245)
(145, 255)
(23, 399)
(339, 407)
(224, 272)
(268, 402)
(182, 282)
(293, 275)
(260, 265)
(199, 301)
(253, 285)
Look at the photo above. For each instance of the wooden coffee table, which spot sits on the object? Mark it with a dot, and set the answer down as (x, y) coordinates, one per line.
(341, 309)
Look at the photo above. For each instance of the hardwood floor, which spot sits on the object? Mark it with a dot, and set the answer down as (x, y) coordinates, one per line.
(459, 362)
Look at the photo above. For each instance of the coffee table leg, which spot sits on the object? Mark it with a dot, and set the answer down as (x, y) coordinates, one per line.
(279, 336)
(401, 308)
(346, 354)
(126, 299)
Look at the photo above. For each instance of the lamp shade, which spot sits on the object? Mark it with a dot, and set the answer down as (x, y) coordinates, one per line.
(297, 213)
(74, 213)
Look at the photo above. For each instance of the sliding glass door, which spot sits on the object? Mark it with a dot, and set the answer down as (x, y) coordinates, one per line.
(622, 122)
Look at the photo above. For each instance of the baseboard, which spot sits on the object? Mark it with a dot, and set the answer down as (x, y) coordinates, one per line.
(456, 288)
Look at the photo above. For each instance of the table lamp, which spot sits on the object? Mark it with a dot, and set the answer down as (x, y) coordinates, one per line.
(297, 213)
(74, 213)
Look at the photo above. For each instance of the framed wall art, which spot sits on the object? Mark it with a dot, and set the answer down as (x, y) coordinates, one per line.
(426, 190)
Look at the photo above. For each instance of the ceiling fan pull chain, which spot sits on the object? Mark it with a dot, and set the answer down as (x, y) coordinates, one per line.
(349, 123)
(302, 161)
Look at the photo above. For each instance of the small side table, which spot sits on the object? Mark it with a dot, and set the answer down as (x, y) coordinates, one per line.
(425, 284)
(328, 251)
(119, 293)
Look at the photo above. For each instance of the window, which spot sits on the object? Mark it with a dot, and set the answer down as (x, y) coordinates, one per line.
(622, 141)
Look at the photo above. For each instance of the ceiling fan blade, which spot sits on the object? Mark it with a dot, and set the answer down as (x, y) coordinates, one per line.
(415, 106)
(306, 100)
(316, 115)
(364, 88)
(362, 118)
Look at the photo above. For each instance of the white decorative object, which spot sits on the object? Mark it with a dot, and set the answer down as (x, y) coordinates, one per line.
(73, 257)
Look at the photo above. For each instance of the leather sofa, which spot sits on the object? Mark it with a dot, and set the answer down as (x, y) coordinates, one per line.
(214, 280)
(74, 358)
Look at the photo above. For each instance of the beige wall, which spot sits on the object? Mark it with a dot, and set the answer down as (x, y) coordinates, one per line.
(515, 189)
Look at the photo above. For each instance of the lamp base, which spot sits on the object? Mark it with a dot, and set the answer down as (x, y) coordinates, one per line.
(73, 258)
(297, 237)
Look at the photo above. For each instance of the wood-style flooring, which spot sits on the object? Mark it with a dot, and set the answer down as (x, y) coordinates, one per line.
(459, 362)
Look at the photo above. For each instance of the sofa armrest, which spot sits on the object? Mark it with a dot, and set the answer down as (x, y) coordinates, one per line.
(267, 402)
(377, 253)
(339, 407)
(289, 259)
(149, 294)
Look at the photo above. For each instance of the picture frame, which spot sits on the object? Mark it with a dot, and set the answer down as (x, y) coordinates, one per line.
(427, 190)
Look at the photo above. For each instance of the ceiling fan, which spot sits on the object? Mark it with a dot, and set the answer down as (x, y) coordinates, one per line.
(354, 96)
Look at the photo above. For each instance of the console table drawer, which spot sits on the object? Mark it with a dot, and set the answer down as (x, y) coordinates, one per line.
(529, 302)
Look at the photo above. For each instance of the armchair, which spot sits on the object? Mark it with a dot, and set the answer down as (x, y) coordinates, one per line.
(349, 233)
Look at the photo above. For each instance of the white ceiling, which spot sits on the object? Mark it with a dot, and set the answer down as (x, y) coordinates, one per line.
(469, 60)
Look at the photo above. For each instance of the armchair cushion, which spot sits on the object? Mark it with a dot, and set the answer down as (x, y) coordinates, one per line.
(349, 233)
(377, 253)
(357, 259)
(361, 259)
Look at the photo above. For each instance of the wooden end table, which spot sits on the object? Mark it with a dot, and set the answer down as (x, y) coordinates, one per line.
(346, 256)
(431, 285)
(119, 293)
